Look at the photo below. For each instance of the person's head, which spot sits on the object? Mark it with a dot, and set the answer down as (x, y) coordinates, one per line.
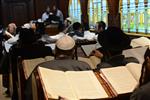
(54, 8)
(48, 10)
(100, 26)
(40, 27)
(145, 72)
(67, 21)
(26, 36)
(65, 47)
(77, 26)
(12, 28)
(114, 40)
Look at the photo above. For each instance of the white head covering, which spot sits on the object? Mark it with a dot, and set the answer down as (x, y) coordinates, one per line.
(65, 43)
(26, 25)
(69, 19)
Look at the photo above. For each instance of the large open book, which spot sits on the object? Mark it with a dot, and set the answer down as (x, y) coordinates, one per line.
(72, 85)
(137, 52)
(122, 79)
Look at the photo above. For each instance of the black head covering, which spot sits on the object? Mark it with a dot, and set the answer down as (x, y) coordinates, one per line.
(114, 39)
(26, 36)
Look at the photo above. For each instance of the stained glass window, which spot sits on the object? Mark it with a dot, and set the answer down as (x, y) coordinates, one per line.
(132, 16)
(125, 15)
(141, 16)
(97, 11)
(148, 17)
(135, 16)
(75, 10)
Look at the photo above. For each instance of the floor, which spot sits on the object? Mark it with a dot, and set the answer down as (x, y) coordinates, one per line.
(3, 96)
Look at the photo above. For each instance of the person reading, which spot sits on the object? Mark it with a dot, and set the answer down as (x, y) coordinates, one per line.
(142, 91)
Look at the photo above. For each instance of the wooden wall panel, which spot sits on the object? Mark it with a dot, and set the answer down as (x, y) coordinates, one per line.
(63, 6)
(0, 13)
(114, 15)
(18, 11)
(22, 11)
(84, 16)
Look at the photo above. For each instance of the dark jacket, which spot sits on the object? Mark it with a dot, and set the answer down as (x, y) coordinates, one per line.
(117, 60)
(141, 93)
(66, 65)
(31, 51)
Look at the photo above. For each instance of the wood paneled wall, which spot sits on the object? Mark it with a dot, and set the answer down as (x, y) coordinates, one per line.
(18, 11)
(22, 11)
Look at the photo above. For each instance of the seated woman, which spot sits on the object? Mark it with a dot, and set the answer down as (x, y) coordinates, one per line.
(142, 92)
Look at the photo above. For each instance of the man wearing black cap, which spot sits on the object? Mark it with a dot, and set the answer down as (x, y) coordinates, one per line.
(113, 42)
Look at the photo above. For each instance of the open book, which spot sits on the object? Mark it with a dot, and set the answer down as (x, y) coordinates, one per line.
(30, 64)
(72, 85)
(141, 41)
(92, 61)
(137, 52)
(122, 79)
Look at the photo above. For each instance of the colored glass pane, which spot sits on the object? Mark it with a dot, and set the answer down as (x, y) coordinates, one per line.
(141, 16)
(97, 11)
(75, 10)
(124, 17)
(132, 16)
(148, 13)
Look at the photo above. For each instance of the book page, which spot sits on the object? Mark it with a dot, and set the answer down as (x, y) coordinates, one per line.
(138, 53)
(135, 70)
(142, 41)
(88, 48)
(120, 79)
(56, 84)
(95, 60)
(30, 64)
(86, 85)
(92, 61)
(88, 61)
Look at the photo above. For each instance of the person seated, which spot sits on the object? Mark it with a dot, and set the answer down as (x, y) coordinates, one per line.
(64, 57)
(113, 42)
(142, 91)
(46, 14)
(28, 47)
(58, 14)
(1, 42)
(10, 31)
(77, 30)
(68, 25)
(100, 27)
(41, 34)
